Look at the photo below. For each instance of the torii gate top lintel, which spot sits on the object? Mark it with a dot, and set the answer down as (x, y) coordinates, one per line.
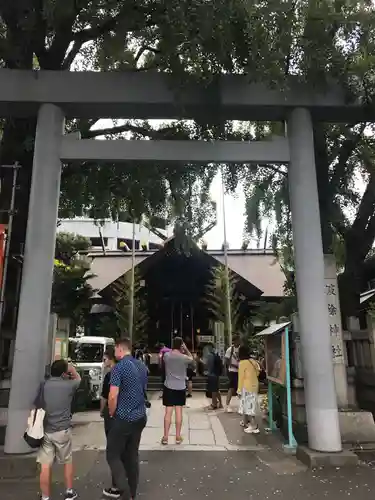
(151, 95)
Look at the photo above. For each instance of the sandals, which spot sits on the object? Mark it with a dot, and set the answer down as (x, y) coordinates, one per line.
(164, 440)
(211, 408)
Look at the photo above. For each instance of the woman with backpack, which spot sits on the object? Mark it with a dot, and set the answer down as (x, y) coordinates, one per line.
(214, 368)
(248, 390)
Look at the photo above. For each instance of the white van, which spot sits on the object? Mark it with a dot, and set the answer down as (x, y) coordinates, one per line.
(86, 353)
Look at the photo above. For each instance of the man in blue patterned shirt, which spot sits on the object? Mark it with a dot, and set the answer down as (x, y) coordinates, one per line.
(126, 405)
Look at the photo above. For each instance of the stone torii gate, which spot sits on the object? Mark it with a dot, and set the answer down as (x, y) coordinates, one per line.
(54, 96)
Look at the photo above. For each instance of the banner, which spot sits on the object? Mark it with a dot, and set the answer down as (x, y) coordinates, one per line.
(2, 250)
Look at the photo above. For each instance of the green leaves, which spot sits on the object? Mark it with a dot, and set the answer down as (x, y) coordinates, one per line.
(314, 40)
(69, 245)
(216, 298)
(71, 292)
(121, 301)
(178, 193)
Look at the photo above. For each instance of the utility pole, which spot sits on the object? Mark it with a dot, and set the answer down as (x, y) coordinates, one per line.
(228, 315)
(4, 264)
(131, 305)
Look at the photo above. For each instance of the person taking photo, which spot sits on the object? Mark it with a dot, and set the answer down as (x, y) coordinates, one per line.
(57, 394)
(174, 392)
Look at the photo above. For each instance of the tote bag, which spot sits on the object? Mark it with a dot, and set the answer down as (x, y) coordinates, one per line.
(35, 424)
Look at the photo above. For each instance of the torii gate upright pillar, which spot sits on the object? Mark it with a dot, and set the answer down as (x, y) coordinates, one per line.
(320, 393)
(35, 299)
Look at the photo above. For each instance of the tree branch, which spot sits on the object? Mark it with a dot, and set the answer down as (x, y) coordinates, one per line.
(273, 168)
(39, 31)
(344, 153)
(360, 237)
(72, 54)
(142, 50)
(128, 127)
(133, 14)
(95, 32)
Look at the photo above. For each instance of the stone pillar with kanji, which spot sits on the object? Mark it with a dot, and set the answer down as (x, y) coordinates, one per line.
(335, 329)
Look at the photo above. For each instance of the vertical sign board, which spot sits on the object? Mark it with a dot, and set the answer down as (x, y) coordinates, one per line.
(297, 348)
(333, 306)
(62, 337)
(278, 370)
(219, 338)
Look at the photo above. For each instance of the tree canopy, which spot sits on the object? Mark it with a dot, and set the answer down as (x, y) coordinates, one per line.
(71, 291)
(314, 40)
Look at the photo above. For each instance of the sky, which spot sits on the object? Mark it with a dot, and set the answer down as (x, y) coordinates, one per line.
(234, 217)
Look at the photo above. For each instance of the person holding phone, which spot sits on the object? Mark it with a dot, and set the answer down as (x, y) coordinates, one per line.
(176, 363)
(58, 392)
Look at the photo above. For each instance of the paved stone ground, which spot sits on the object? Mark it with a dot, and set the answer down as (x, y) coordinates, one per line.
(202, 430)
(242, 475)
(225, 463)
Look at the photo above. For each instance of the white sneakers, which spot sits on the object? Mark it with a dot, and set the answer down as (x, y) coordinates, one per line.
(250, 430)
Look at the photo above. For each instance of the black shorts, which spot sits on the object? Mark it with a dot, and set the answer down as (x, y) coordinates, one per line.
(233, 380)
(190, 374)
(212, 384)
(172, 397)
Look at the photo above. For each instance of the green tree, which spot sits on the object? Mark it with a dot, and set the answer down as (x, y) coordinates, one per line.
(345, 157)
(174, 37)
(312, 40)
(215, 299)
(69, 246)
(121, 300)
(71, 291)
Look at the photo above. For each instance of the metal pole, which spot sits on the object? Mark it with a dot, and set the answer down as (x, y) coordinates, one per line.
(228, 315)
(271, 423)
(292, 443)
(7, 243)
(131, 314)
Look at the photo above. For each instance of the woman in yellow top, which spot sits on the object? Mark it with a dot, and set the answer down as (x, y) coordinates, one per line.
(248, 389)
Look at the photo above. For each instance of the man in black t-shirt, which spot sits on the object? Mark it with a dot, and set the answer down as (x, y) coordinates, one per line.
(214, 369)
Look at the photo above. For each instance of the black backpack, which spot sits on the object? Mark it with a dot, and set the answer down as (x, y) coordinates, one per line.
(218, 365)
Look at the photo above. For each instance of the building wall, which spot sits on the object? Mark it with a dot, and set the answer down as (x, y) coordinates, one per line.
(111, 231)
(259, 268)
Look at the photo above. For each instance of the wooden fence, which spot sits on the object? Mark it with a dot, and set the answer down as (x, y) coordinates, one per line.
(360, 357)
